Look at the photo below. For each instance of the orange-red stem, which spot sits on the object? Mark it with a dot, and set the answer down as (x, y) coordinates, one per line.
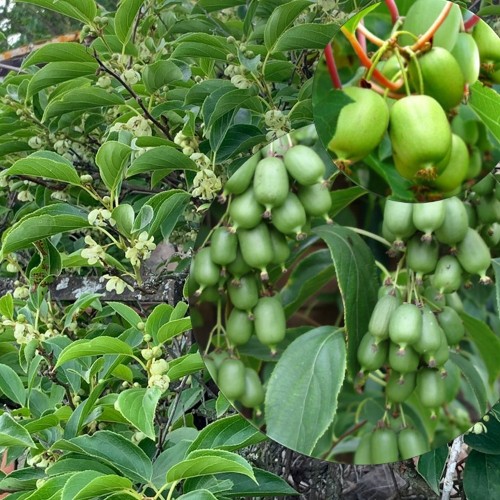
(434, 27)
(332, 67)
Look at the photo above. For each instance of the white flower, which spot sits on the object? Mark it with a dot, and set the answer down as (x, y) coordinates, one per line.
(159, 367)
(139, 126)
(94, 253)
(25, 196)
(160, 381)
(100, 217)
(206, 185)
(24, 333)
(4, 182)
(117, 284)
(21, 292)
(131, 76)
(11, 267)
(240, 82)
(202, 161)
(59, 195)
(104, 82)
(35, 142)
(132, 254)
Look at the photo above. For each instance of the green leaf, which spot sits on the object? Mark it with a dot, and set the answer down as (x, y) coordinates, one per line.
(342, 198)
(58, 52)
(138, 406)
(126, 312)
(173, 328)
(98, 346)
(54, 167)
(353, 22)
(100, 486)
(485, 103)
(355, 269)
(431, 466)
(11, 385)
(198, 495)
(78, 481)
(160, 73)
(14, 434)
(114, 450)
(83, 10)
(281, 18)
(482, 476)
(489, 10)
(158, 317)
(487, 343)
(112, 158)
(302, 392)
(495, 264)
(185, 365)
(7, 306)
(240, 138)
(58, 72)
(201, 45)
(41, 224)
(164, 158)
(21, 479)
(124, 216)
(473, 378)
(171, 456)
(42, 423)
(124, 18)
(143, 219)
(312, 272)
(230, 433)
(306, 36)
(50, 489)
(203, 6)
(71, 464)
(206, 462)
(167, 208)
(278, 71)
(487, 441)
(268, 485)
(81, 99)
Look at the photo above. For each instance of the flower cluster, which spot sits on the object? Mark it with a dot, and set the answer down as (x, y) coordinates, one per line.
(141, 249)
(277, 124)
(115, 283)
(100, 217)
(188, 144)
(158, 377)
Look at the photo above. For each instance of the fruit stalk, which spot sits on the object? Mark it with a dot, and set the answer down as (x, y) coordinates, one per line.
(332, 67)
(393, 9)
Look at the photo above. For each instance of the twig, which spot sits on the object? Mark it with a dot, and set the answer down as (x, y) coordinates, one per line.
(361, 35)
(138, 99)
(456, 448)
(369, 35)
(434, 27)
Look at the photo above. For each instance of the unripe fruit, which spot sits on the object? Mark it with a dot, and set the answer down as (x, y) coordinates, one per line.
(433, 65)
(290, 217)
(400, 386)
(316, 200)
(466, 52)
(430, 338)
(430, 388)
(428, 217)
(488, 209)
(381, 315)
(455, 302)
(304, 165)
(372, 352)
(245, 295)
(281, 250)
(474, 255)
(361, 125)
(231, 378)
(256, 247)
(242, 178)
(269, 321)
(239, 327)
(471, 216)
(403, 361)
(363, 456)
(422, 15)
(447, 277)
(205, 272)
(398, 217)
(434, 298)
(245, 211)
(411, 443)
(223, 246)
(452, 325)
(238, 267)
(405, 325)
(389, 290)
(485, 186)
(420, 136)
(384, 446)
(467, 130)
(439, 357)
(254, 392)
(456, 169)
(270, 183)
(475, 163)
(488, 42)
(491, 234)
(455, 222)
(421, 257)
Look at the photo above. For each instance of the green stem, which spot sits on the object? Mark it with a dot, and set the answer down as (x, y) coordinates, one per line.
(172, 489)
(371, 235)
(376, 379)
